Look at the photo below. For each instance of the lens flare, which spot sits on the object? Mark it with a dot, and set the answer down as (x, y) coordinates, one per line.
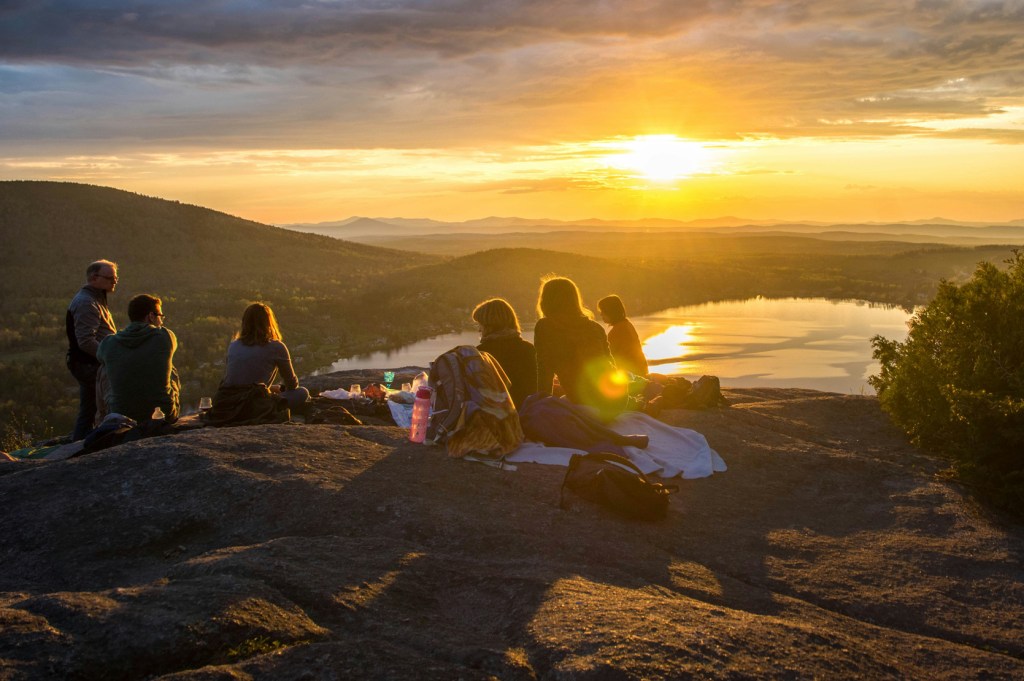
(613, 384)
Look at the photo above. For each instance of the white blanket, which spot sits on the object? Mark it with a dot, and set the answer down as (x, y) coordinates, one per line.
(672, 451)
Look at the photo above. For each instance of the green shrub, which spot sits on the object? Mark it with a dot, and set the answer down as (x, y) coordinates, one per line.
(956, 385)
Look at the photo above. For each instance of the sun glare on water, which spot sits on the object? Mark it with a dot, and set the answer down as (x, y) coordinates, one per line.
(661, 158)
(675, 342)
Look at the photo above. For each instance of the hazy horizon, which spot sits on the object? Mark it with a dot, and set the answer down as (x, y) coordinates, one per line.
(713, 221)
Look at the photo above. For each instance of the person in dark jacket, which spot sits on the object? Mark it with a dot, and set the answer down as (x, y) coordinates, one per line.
(139, 364)
(501, 337)
(87, 322)
(573, 347)
(622, 336)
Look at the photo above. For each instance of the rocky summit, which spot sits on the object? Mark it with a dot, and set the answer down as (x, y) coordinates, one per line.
(831, 548)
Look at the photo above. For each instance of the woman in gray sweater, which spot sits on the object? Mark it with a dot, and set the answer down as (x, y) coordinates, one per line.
(257, 355)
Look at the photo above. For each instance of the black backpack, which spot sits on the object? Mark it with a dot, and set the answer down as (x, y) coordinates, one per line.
(678, 393)
(616, 483)
(705, 393)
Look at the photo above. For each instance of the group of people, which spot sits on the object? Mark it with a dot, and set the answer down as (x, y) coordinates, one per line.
(131, 372)
(570, 354)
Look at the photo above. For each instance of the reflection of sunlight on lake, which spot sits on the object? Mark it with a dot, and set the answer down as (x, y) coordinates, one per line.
(783, 343)
(795, 342)
(674, 341)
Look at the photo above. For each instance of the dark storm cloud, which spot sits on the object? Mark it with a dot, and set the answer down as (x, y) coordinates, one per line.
(270, 31)
(187, 31)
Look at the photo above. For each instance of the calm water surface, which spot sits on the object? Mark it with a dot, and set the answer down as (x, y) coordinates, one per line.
(761, 342)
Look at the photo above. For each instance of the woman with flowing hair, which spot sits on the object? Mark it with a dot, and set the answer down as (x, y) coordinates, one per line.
(622, 336)
(501, 337)
(573, 347)
(258, 355)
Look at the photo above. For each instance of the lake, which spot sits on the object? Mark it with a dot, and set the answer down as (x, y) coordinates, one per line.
(761, 342)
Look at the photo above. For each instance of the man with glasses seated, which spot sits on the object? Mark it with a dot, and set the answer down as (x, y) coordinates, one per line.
(88, 321)
(139, 365)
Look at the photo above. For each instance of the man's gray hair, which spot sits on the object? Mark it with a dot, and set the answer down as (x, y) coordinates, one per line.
(95, 267)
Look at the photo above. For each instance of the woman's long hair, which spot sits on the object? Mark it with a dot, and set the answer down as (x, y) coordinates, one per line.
(259, 326)
(612, 308)
(560, 298)
(496, 315)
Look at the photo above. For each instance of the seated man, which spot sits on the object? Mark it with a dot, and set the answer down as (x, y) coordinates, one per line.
(138, 363)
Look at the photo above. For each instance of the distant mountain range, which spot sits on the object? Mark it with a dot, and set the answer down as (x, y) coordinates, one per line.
(357, 227)
(366, 226)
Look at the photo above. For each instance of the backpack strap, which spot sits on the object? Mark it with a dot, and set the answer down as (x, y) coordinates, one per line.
(624, 463)
(574, 461)
(618, 460)
(446, 380)
(500, 464)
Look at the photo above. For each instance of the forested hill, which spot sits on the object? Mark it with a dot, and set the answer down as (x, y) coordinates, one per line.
(54, 229)
(205, 265)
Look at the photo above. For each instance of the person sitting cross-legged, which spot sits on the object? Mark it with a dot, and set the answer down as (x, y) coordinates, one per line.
(259, 355)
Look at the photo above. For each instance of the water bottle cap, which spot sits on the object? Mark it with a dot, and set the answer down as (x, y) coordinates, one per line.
(423, 393)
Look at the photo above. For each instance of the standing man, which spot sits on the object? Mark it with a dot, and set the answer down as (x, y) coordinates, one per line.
(88, 321)
(139, 361)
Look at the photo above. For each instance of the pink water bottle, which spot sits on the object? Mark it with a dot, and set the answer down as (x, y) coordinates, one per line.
(420, 415)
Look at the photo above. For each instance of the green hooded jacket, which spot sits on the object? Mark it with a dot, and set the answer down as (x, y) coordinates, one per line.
(140, 371)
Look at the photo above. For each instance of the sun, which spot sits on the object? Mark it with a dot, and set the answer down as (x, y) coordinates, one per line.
(661, 158)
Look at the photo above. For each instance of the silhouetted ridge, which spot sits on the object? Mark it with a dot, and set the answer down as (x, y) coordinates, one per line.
(60, 227)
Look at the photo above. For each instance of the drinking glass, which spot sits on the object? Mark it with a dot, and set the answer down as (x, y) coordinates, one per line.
(355, 390)
(205, 403)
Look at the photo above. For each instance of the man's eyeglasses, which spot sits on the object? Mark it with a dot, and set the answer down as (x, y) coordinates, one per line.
(107, 276)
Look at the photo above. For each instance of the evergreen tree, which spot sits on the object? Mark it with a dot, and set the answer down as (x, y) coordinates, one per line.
(956, 385)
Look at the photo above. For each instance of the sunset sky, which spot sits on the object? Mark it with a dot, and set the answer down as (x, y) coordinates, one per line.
(288, 111)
